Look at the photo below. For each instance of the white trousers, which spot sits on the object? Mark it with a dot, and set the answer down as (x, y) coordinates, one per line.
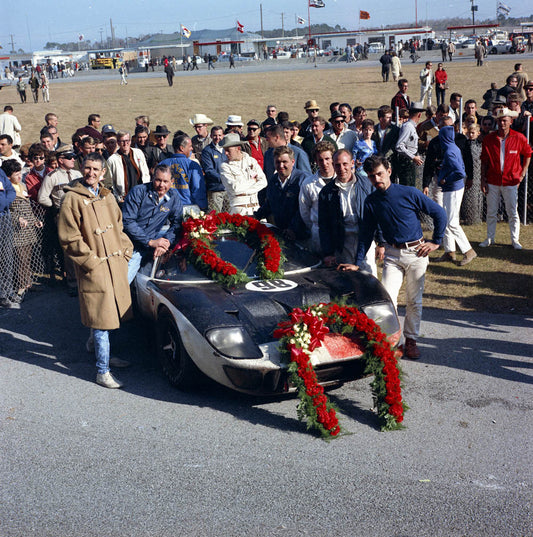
(510, 198)
(426, 91)
(435, 191)
(454, 234)
(400, 264)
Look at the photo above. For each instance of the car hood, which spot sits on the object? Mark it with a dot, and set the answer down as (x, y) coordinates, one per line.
(211, 305)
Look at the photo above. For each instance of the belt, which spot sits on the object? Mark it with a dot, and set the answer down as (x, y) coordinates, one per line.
(248, 205)
(412, 244)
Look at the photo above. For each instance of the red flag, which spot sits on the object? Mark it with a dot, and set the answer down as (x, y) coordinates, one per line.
(240, 27)
(364, 15)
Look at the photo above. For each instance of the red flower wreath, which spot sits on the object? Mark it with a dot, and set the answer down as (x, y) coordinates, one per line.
(305, 331)
(198, 239)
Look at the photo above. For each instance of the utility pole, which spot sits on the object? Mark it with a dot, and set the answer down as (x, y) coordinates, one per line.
(282, 26)
(12, 45)
(261, 12)
(101, 44)
(112, 33)
(474, 9)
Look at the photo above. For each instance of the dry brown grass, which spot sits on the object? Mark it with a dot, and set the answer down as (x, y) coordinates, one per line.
(500, 280)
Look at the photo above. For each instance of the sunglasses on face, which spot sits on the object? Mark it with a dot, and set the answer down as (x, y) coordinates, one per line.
(253, 128)
(67, 157)
(38, 158)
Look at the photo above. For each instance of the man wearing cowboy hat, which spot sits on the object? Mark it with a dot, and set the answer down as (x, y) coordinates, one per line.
(407, 146)
(241, 175)
(234, 124)
(505, 158)
(311, 107)
(161, 150)
(202, 139)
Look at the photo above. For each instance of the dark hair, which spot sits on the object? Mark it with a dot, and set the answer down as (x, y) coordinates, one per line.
(95, 157)
(283, 150)
(282, 116)
(367, 123)
(275, 130)
(92, 117)
(470, 101)
(345, 105)
(322, 147)
(10, 166)
(402, 81)
(384, 110)
(454, 96)
(287, 125)
(217, 128)
(358, 110)
(509, 78)
(295, 123)
(165, 168)
(516, 67)
(6, 137)
(179, 141)
(8, 108)
(142, 128)
(374, 161)
(37, 149)
(443, 109)
(333, 106)
(319, 119)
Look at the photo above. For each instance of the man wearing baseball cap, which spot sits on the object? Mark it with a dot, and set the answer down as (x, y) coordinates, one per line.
(505, 157)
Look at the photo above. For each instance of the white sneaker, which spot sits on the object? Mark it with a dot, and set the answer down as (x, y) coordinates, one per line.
(107, 380)
(486, 242)
(517, 246)
(118, 362)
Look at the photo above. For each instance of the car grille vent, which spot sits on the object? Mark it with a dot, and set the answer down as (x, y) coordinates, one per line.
(235, 313)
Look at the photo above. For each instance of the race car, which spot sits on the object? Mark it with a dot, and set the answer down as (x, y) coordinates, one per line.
(226, 333)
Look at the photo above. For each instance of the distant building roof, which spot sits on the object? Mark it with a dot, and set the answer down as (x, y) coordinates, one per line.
(229, 34)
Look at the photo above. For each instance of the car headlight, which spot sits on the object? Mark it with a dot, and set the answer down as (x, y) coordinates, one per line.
(233, 342)
(383, 314)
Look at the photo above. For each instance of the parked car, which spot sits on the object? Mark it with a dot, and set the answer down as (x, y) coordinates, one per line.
(236, 57)
(226, 334)
(469, 43)
(501, 47)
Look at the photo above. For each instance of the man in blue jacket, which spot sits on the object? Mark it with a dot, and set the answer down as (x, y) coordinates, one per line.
(187, 175)
(7, 195)
(147, 208)
(212, 158)
(452, 181)
(281, 206)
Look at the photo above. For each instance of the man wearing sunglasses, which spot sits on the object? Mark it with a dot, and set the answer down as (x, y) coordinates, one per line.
(258, 144)
(34, 178)
(340, 133)
(161, 150)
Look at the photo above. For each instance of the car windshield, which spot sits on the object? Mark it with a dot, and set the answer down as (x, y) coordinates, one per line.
(177, 267)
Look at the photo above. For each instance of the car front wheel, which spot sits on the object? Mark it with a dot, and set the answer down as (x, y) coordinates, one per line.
(493, 51)
(175, 361)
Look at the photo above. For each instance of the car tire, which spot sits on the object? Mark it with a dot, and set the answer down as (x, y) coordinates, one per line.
(176, 363)
(493, 51)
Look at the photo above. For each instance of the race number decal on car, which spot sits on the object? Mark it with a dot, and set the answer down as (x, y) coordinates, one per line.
(271, 286)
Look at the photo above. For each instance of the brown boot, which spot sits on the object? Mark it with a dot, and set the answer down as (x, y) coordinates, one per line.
(447, 256)
(410, 350)
(468, 257)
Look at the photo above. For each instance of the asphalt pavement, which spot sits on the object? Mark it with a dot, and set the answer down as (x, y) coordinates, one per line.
(80, 460)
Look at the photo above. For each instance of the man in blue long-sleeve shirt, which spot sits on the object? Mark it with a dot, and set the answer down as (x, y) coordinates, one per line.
(146, 210)
(396, 209)
(7, 195)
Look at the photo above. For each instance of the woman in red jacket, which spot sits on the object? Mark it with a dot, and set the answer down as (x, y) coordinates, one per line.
(441, 83)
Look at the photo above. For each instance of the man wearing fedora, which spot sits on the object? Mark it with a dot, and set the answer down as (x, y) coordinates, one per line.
(241, 176)
(202, 139)
(505, 157)
(407, 146)
(212, 158)
(161, 150)
(311, 108)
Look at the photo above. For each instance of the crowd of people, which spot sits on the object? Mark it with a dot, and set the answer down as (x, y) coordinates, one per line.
(345, 185)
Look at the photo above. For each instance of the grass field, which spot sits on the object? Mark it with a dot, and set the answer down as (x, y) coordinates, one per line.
(500, 280)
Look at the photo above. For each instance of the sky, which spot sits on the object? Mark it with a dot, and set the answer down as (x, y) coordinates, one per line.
(34, 23)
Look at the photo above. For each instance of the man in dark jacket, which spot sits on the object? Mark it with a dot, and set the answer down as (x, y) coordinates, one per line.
(386, 61)
(340, 211)
(212, 158)
(281, 206)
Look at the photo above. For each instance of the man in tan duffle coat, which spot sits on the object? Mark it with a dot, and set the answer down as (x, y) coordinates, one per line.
(90, 232)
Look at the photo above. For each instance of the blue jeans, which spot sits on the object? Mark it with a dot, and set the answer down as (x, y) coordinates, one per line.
(102, 350)
(134, 264)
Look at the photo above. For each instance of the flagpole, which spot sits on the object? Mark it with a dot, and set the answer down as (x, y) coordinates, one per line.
(309, 19)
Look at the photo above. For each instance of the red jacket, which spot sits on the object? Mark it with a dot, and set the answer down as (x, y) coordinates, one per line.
(34, 181)
(516, 146)
(441, 76)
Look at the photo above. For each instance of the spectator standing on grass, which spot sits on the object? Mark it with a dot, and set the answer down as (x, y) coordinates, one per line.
(169, 72)
(21, 88)
(451, 50)
(505, 158)
(401, 99)
(522, 77)
(123, 71)
(441, 83)
(396, 209)
(407, 146)
(91, 233)
(427, 79)
(452, 181)
(479, 52)
(386, 61)
(9, 124)
(34, 86)
(396, 66)
(45, 88)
